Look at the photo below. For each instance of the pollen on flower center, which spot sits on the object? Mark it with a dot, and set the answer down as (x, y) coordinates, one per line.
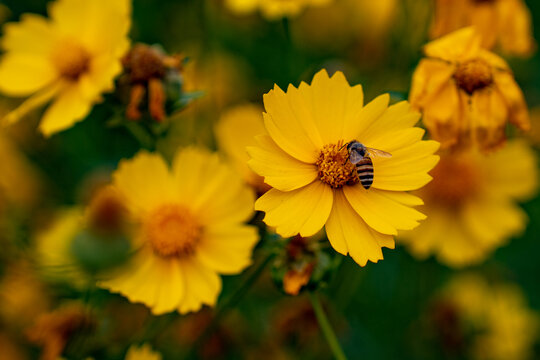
(454, 180)
(472, 75)
(172, 231)
(334, 167)
(71, 59)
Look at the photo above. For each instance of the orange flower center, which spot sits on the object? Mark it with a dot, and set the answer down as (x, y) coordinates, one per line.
(334, 167)
(172, 231)
(472, 75)
(71, 59)
(454, 180)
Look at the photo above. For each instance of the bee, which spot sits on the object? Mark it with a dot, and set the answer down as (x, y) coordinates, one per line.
(360, 155)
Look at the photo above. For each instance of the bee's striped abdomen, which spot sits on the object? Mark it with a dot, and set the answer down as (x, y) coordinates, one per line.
(364, 169)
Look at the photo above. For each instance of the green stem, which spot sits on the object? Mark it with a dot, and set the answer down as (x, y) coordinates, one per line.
(326, 328)
(230, 302)
(139, 133)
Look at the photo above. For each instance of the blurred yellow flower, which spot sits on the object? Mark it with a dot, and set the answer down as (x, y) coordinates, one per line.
(236, 130)
(503, 23)
(470, 204)
(69, 59)
(304, 159)
(495, 316)
(143, 352)
(273, 9)
(466, 94)
(190, 229)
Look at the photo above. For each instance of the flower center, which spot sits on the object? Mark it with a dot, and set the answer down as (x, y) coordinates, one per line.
(454, 180)
(334, 167)
(172, 231)
(71, 59)
(472, 75)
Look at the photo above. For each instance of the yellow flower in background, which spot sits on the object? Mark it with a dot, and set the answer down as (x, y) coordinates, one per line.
(503, 23)
(471, 204)
(493, 319)
(68, 60)
(236, 130)
(143, 352)
(467, 94)
(304, 159)
(191, 229)
(273, 9)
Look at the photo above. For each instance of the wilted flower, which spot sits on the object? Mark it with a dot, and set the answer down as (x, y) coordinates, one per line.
(190, 229)
(143, 352)
(475, 319)
(273, 9)
(69, 59)
(236, 130)
(503, 23)
(305, 159)
(470, 204)
(467, 94)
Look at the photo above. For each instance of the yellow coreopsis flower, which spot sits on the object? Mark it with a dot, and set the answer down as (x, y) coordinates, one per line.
(237, 129)
(190, 229)
(273, 9)
(503, 23)
(305, 159)
(143, 352)
(492, 320)
(69, 59)
(467, 94)
(470, 204)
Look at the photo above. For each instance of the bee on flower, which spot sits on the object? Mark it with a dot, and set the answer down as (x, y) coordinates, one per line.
(473, 198)
(304, 156)
(68, 60)
(505, 24)
(466, 94)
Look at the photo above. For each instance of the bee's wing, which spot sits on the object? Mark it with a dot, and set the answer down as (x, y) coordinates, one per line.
(355, 157)
(378, 153)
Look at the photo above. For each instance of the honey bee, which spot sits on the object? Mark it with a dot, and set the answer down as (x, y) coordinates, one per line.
(360, 155)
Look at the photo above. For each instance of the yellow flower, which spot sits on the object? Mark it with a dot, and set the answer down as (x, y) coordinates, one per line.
(467, 94)
(273, 9)
(190, 229)
(69, 59)
(502, 325)
(304, 159)
(503, 23)
(470, 204)
(143, 352)
(237, 129)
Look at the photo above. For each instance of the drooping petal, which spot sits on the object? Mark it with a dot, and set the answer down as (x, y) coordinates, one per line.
(381, 211)
(279, 169)
(347, 232)
(145, 182)
(203, 285)
(302, 211)
(464, 42)
(211, 188)
(227, 249)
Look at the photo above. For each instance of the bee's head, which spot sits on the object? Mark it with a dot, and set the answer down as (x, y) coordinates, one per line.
(356, 146)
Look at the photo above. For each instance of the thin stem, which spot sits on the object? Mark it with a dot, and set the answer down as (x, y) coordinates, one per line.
(139, 133)
(326, 328)
(231, 302)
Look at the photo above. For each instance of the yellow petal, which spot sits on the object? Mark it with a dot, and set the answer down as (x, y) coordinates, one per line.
(519, 114)
(280, 170)
(429, 78)
(32, 35)
(24, 74)
(347, 232)
(395, 118)
(203, 285)
(211, 188)
(35, 101)
(407, 168)
(303, 211)
(227, 249)
(69, 107)
(369, 114)
(145, 182)
(455, 45)
(170, 290)
(381, 211)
